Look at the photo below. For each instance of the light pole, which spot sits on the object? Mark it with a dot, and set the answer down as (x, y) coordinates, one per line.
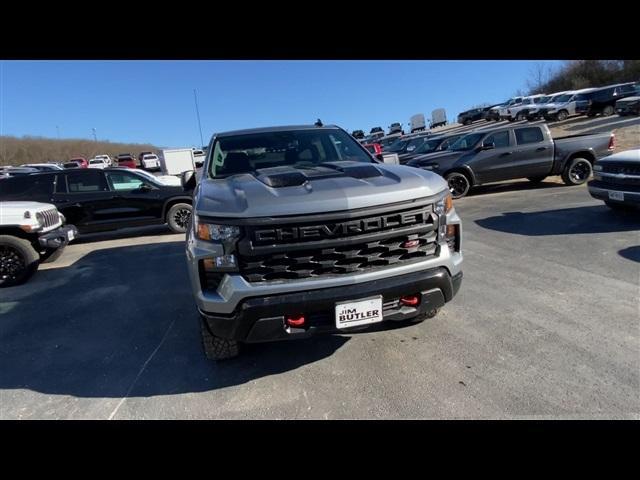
(198, 115)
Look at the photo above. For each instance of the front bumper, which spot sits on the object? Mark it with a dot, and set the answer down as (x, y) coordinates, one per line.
(261, 319)
(58, 238)
(598, 191)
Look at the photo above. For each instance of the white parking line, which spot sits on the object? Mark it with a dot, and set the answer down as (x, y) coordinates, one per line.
(140, 372)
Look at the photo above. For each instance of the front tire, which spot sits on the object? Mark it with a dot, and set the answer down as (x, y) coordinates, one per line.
(608, 111)
(18, 260)
(520, 117)
(577, 171)
(459, 184)
(562, 115)
(179, 217)
(215, 347)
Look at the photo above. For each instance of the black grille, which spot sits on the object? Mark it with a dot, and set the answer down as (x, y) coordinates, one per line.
(338, 260)
(623, 168)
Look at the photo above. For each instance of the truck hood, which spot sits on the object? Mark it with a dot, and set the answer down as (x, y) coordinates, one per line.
(628, 99)
(335, 186)
(434, 157)
(32, 206)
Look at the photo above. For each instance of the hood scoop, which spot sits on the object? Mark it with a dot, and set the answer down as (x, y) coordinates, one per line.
(277, 177)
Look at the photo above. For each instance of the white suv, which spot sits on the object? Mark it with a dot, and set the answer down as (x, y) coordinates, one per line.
(30, 233)
(150, 161)
(520, 110)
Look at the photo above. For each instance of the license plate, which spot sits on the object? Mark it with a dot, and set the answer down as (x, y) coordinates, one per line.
(359, 312)
(70, 235)
(619, 196)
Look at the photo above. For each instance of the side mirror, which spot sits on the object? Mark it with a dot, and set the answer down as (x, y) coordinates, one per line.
(145, 188)
(488, 146)
(188, 179)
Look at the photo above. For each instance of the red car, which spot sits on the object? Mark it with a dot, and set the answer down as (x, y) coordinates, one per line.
(126, 160)
(81, 161)
(375, 149)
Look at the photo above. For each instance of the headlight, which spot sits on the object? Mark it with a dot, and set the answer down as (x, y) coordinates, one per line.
(40, 219)
(212, 231)
(444, 205)
(597, 168)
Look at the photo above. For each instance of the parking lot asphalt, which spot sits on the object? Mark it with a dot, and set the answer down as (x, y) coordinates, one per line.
(546, 325)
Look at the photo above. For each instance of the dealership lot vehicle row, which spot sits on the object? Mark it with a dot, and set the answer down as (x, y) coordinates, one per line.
(545, 325)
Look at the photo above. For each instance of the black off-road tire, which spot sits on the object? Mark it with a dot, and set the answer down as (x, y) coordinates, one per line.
(217, 348)
(577, 171)
(455, 179)
(179, 217)
(18, 260)
(425, 316)
(608, 111)
(536, 179)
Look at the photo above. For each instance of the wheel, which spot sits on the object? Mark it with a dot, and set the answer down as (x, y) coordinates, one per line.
(608, 111)
(467, 122)
(536, 179)
(459, 184)
(577, 171)
(179, 217)
(217, 348)
(562, 115)
(520, 116)
(422, 318)
(18, 260)
(620, 207)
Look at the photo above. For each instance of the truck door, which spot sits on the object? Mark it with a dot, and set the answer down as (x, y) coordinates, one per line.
(493, 164)
(534, 153)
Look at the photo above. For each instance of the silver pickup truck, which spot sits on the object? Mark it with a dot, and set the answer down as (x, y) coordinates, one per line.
(300, 230)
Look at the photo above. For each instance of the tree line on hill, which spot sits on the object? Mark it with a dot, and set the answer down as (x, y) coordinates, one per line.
(28, 149)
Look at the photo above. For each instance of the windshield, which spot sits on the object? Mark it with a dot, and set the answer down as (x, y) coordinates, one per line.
(562, 98)
(467, 142)
(93, 162)
(541, 99)
(427, 147)
(293, 148)
(148, 175)
(397, 146)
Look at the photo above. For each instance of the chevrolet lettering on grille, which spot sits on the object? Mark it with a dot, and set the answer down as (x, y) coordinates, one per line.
(341, 229)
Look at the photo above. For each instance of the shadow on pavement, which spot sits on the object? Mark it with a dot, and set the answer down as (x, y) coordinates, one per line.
(88, 330)
(631, 253)
(566, 221)
(151, 230)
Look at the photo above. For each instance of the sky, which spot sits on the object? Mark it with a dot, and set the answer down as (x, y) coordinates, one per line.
(153, 101)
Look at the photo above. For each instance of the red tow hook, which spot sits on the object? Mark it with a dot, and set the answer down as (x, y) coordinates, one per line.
(410, 300)
(295, 320)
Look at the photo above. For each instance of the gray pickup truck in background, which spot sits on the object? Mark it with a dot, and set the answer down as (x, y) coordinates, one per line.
(300, 230)
(514, 152)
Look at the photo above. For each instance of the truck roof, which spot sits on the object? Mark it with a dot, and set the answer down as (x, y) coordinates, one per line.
(275, 129)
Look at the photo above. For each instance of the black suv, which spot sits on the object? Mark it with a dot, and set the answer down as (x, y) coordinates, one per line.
(603, 100)
(395, 128)
(358, 134)
(469, 116)
(100, 200)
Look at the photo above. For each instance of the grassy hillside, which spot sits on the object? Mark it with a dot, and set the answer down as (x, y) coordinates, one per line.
(577, 74)
(16, 151)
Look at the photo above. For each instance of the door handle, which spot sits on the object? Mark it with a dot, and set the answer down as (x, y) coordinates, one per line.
(77, 205)
(506, 153)
(539, 149)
